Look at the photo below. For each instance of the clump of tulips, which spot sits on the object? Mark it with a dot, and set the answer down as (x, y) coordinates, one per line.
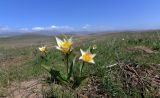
(65, 46)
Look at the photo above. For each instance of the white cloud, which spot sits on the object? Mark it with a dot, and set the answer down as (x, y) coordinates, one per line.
(38, 28)
(24, 29)
(86, 26)
(53, 26)
(4, 28)
(66, 27)
(61, 28)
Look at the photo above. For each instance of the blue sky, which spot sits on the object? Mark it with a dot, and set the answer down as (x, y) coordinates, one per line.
(79, 14)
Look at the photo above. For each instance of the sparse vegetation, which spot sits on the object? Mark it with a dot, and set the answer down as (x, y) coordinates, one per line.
(127, 66)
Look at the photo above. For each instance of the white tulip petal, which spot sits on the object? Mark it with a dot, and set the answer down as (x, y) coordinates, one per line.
(71, 48)
(58, 48)
(82, 52)
(80, 58)
(59, 41)
(93, 55)
(92, 61)
(70, 40)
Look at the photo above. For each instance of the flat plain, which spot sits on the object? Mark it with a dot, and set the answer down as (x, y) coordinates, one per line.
(127, 65)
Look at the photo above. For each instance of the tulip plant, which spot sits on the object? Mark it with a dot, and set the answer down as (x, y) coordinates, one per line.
(72, 79)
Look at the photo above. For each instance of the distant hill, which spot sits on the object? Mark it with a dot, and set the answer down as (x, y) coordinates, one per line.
(56, 32)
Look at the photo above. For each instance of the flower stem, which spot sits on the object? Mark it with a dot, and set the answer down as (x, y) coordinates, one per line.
(81, 68)
(45, 57)
(67, 61)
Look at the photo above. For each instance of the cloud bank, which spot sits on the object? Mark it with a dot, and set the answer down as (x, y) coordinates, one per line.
(4, 28)
(38, 28)
(63, 28)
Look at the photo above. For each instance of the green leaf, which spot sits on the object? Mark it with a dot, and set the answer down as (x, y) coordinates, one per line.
(71, 70)
(55, 75)
(48, 68)
(89, 49)
(78, 81)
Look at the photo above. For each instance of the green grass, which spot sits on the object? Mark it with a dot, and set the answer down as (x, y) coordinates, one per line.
(111, 49)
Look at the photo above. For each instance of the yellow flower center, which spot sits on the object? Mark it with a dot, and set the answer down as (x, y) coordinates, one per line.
(86, 57)
(65, 46)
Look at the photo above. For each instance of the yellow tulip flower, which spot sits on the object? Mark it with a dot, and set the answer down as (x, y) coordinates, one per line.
(65, 45)
(42, 49)
(87, 56)
(94, 46)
